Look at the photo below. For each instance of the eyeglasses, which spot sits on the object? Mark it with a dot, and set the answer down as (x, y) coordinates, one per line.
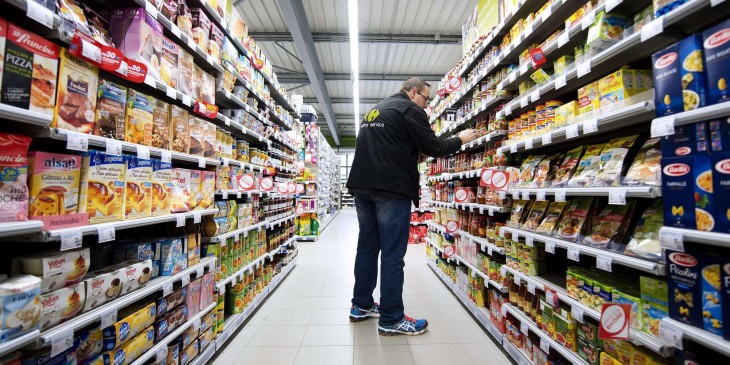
(427, 98)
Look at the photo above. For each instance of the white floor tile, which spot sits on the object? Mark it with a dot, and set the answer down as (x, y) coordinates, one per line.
(286, 317)
(437, 333)
(439, 354)
(343, 302)
(478, 352)
(330, 316)
(324, 355)
(267, 355)
(278, 336)
(383, 355)
(469, 332)
(368, 335)
(329, 335)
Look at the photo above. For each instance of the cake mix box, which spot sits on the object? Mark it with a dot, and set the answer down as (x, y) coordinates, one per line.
(102, 186)
(184, 74)
(30, 69)
(169, 62)
(138, 193)
(207, 190)
(179, 129)
(76, 99)
(201, 27)
(180, 200)
(193, 300)
(196, 135)
(139, 37)
(196, 180)
(54, 190)
(679, 80)
(716, 48)
(111, 105)
(161, 188)
(161, 125)
(139, 118)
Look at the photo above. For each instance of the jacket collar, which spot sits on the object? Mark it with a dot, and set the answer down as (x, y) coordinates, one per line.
(403, 95)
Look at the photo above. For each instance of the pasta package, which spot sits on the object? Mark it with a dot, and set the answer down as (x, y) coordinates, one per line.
(704, 197)
(678, 182)
(716, 57)
(679, 79)
(567, 167)
(612, 161)
(552, 216)
(588, 166)
(646, 168)
(721, 185)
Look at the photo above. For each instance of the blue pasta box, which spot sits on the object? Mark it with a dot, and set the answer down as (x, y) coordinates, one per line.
(717, 58)
(677, 182)
(704, 197)
(719, 134)
(694, 289)
(726, 297)
(690, 139)
(679, 79)
(720, 163)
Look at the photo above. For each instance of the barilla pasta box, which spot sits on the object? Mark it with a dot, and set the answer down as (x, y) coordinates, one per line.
(677, 182)
(138, 190)
(719, 133)
(679, 80)
(161, 188)
(102, 186)
(717, 57)
(54, 190)
(694, 289)
(720, 219)
(704, 196)
(30, 69)
(690, 139)
(725, 272)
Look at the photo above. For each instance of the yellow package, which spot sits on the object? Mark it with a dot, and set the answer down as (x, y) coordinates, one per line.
(196, 181)
(138, 190)
(54, 184)
(135, 318)
(102, 186)
(139, 118)
(606, 359)
(565, 113)
(617, 88)
(131, 350)
(562, 63)
(540, 76)
(588, 98)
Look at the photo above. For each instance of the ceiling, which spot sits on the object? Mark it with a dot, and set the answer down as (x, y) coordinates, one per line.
(398, 38)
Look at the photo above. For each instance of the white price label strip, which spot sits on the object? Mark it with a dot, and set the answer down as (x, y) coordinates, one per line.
(524, 327)
(611, 4)
(166, 156)
(166, 288)
(546, 13)
(186, 100)
(663, 126)
(577, 313)
(61, 343)
(530, 241)
(540, 195)
(574, 253)
(563, 39)
(77, 141)
(526, 195)
(71, 240)
(547, 138)
(170, 92)
(515, 236)
(512, 77)
(671, 334)
(504, 311)
(507, 109)
(544, 345)
(531, 288)
(604, 262)
(180, 220)
(199, 272)
(196, 217)
(560, 195)
(108, 317)
(671, 240)
(654, 27)
(90, 51)
(524, 102)
(523, 68)
(590, 126)
(106, 232)
(143, 152)
(161, 355)
(535, 96)
(513, 148)
(224, 194)
(550, 247)
(583, 69)
(151, 9)
(560, 81)
(617, 197)
(113, 147)
(571, 131)
(175, 30)
(517, 280)
(716, 2)
(39, 13)
(588, 19)
(201, 162)
(529, 144)
(185, 280)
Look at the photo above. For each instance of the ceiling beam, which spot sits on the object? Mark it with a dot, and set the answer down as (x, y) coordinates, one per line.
(301, 34)
(343, 101)
(364, 38)
(293, 78)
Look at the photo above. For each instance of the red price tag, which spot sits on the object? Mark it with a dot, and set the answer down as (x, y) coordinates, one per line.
(486, 177)
(461, 195)
(266, 184)
(500, 180)
(452, 226)
(246, 182)
(614, 322)
(291, 188)
(449, 251)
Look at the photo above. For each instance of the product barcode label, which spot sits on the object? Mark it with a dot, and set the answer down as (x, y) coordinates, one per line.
(76, 141)
(90, 51)
(524, 102)
(590, 126)
(604, 262)
(113, 147)
(71, 240)
(167, 288)
(108, 317)
(584, 69)
(671, 240)
(39, 13)
(170, 92)
(201, 162)
(574, 253)
(143, 152)
(106, 232)
(199, 272)
(560, 81)
(166, 156)
(663, 126)
(546, 13)
(175, 30)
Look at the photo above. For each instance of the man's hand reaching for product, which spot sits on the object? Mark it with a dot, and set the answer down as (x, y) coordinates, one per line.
(467, 135)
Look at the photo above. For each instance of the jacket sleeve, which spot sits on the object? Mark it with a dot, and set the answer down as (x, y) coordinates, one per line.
(425, 139)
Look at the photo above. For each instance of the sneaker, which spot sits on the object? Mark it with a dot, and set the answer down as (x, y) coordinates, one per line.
(407, 326)
(358, 314)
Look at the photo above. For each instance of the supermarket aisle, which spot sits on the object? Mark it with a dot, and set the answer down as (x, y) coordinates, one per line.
(306, 320)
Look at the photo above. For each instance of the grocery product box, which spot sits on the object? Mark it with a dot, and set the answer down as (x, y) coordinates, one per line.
(626, 296)
(170, 321)
(132, 349)
(716, 48)
(111, 106)
(20, 297)
(654, 296)
(76, 96)
(720, 215)
(662, 7)
(139, 36)
(179, 129)
(54, 186)
(139, 118)
(201, 27)
(688, 180)
(135, 274)
(169, 62)
(196, 134)
(588, 98)
(171, 301)
(60, 305)
(196, 180)
(694, 283)
(138, 191)
(617, 88)
(588, 351)
(690, 139)
(679, 80)
(565, 113)
(606, 30)
(102, 286)
(561, 64)
(56, 269)
(135, 318)
(193, 298)
(161, 188)
(160, 125)
(173, 256)
(719, 134)
(185, 68)
(33, 86)
(179, 202)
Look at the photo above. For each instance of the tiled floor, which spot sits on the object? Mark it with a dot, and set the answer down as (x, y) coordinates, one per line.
(305, 321)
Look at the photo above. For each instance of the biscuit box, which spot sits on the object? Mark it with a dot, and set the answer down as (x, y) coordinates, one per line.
(720, 164)
(679, 81)
(30, 67)
(694, 289)
(134, 319)
(76, 97)
(678, 182)
(54, 189)
(138, 191)
(588, 98)
(139, 118)
(132, 350)
(717, 57)
(687, 140)
(178, 129)
(171, 301)
(111, 105)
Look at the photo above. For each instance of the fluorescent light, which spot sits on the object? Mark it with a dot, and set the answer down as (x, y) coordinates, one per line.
(354, 61)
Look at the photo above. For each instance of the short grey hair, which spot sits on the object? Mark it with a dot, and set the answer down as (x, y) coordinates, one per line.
(414, 83)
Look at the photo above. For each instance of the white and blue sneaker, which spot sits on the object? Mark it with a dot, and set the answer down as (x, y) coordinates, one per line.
(407, 326)
(358, 314)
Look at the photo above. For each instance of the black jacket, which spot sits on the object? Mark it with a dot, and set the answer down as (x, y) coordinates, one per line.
(386, 152)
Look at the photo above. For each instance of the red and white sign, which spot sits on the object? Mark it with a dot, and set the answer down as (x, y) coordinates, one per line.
(291, 188)
(299, 210)
(449, 251)
(266, 184)
(461, 195)
(455, 83)
(452, 226)
(246, 182)
(486, 177)
(300, 188)
(500, 181)
(281, 188)
(614, 322)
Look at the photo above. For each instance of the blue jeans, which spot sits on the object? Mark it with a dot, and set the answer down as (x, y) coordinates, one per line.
(384, 225)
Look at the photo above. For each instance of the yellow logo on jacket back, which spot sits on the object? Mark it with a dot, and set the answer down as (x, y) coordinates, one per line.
(372, 115)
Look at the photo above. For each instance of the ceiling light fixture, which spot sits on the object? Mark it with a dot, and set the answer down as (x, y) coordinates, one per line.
(354, 60)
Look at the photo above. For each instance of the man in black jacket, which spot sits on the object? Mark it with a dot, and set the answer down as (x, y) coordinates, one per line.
(384, 181)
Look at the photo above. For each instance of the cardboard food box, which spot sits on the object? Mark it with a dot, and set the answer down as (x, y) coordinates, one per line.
(588, 98)
(201, 27)
(76, 98)
(196, 180)
(687, 140)
(678, 182)
(102, 286)
(679, 80)
(134, 319)
(60, 305)
(207, 190)
(606, 30)
(179, 129)
(196, 134)
(720, 215)
(169, 62)
(139, 118)
(716, 57)
(654, 303)
(173, 256)
(111, 107)
(160, 125)
(54, 189)
(161, 188)
(30, 69)
(139, 36)
(617, 88)
(136, 273)
(185, 68)
(130, 351)
(102, 186)
(209, 130)
(180, 201)
(170, 302)
(138, 192)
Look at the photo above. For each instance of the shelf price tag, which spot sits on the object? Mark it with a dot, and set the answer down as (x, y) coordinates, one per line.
(663, 126)
(611, 4)
(535, 96)
(201, 162)
(167, 288)
(76, 141)
(590, 126)
(175, 30)
(716, 2)
(523, 68)
(526, 195)
(671, 240)
(531, 288)
(180, 220)
(571, 131)
(113, 147)
(550, 296)
(574, 253)
(224, 194)
(671, 334)
(560, 81)
(588, 19)
(185, 280)
(550, 247)
(108, 317)
(166, 156)
(604, 262)
(199, 272)
(513, 148)
(529, 144)
(517, 280)
(617, 197)
(515, 236)
(489, 250)
(560, 195)
(504, 311)
(654, 27)
(546, 13)
(563, 39)
(143, 152)
(547, 138)
(196, 217)
(171, 92)
(186, 100)
(524, 327)
(71, 240)
(523, 102)
(39, 13)
(530, 241)
(583, 69)
(106, 232)
(577, 313)
(62, 342)
(540, 195)
(161, 355)
(544, 345)
(507, 110)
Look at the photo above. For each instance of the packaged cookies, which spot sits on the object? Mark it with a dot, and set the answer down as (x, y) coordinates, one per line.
(13, 176)
(111, 106)
(76, 99)
(140, 108)
(138, 191)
